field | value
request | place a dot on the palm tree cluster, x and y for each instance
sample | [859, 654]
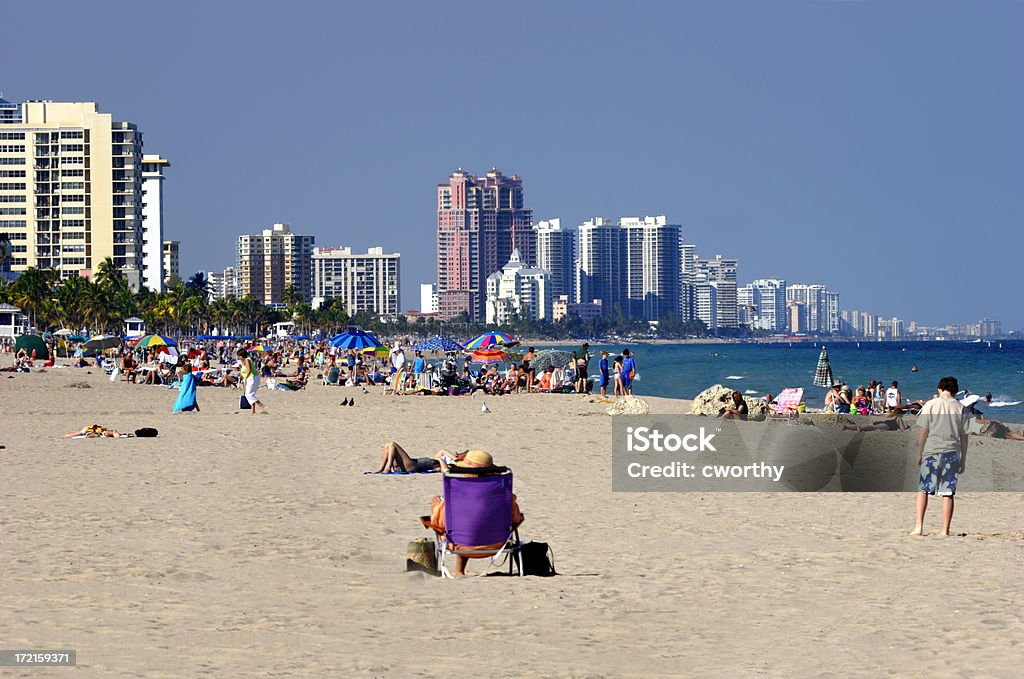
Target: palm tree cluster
[100, 305]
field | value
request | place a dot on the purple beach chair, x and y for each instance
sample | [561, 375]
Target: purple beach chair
[478, 511]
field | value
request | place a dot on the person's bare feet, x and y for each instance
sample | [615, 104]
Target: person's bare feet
[919, 531]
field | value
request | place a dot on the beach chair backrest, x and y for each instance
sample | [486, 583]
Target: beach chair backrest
[478, 509]
[789, 400]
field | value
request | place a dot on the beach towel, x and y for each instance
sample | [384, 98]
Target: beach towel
[186, 394]
[432, 471]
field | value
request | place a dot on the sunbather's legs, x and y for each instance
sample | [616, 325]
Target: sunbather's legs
[394, 458]
[459, 569]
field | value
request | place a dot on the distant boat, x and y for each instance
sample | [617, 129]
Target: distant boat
[977, 341]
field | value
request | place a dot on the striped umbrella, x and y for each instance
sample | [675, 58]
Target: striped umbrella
[380, 351]
[259, 348]
[488, 356]
[823, 373]
[438, 343]
[155, 341]
[355, 339]
[489, 339]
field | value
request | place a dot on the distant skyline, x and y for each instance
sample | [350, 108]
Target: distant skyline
[873, 147]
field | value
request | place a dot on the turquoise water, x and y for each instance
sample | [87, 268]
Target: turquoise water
[683, 371]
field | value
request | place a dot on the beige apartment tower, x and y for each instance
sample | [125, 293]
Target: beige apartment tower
[274, 260]
[70, 188]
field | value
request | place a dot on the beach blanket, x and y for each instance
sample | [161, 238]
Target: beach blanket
[432, 471]
[186, 394]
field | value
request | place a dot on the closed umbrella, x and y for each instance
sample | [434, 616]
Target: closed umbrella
[823, 373]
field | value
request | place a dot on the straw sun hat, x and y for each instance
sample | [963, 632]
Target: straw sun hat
[477, 458]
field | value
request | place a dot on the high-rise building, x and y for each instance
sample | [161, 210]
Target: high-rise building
[153, 221]
[600, 274]
[518, 291]
[556, 254]
[223, 284]
[705, 301]
[70, 188]
[813, 298]
[428, 298]
[687, 268]
[271, 261]
[363, 282]
[770, 302]
[480, 221]
[832, 320]
[652, 266]
[171, 254]
[721, 272]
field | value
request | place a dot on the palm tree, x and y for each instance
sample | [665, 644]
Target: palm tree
[108, 275]
[31, 292]
[198, 284]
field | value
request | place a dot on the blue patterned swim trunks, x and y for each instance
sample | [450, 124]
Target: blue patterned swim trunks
[939, 474]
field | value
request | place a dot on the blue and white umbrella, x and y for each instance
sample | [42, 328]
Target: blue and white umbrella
[438, 343]
[356, 339]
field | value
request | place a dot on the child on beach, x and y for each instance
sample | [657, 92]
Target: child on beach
[941, 451]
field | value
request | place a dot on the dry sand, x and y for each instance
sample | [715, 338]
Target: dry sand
[235, 545]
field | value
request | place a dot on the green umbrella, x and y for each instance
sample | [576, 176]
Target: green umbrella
[30, 342]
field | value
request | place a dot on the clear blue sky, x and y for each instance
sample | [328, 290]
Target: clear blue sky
[871, 146]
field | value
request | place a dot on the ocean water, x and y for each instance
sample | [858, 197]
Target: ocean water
[683, 371]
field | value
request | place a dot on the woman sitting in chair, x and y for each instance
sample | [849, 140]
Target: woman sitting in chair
[474, 459]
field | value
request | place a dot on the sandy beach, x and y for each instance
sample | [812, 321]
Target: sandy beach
[235, 545]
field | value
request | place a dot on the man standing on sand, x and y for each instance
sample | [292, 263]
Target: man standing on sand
[941, 451]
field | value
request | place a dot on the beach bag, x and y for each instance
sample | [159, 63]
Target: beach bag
[145, 432]
[538, 559]
[421, 555]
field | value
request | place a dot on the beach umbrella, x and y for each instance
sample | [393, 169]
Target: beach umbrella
[103, 342]
[551, 357]
[355, 339]
[259, 348]
[438, 343]
[64, 332]
[155, 341]
[381, 351]
[490, 339]
[30, 343]
[823, 373]
[488, 356]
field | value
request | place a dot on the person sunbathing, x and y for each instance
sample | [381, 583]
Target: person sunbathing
[94, 431]
[474, 459]
[394, 459]
[892, 423]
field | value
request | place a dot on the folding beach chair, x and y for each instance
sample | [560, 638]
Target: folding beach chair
[787, 403]
[478, 511]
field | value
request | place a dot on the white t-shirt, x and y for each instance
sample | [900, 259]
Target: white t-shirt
[892, 396]
[398, 360]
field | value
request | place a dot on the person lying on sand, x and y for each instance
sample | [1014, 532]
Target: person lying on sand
[394, 459]
[94, 431]
[892, 423]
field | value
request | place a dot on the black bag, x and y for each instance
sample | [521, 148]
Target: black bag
[145, 432]
[538, 559]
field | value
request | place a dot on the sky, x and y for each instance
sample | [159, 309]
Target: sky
[876, 147]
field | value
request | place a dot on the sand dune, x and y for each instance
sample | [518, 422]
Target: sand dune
[239, 545]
